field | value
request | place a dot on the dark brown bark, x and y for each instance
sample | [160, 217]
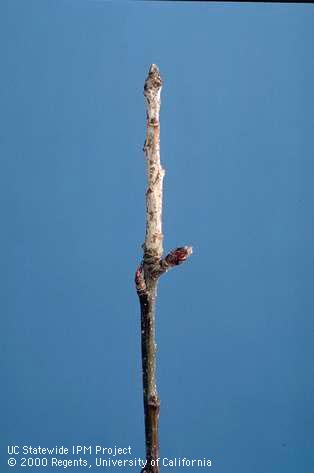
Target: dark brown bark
[150, 395]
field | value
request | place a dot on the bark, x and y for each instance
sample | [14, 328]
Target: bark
[153, 266]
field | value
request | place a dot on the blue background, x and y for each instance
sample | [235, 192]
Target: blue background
[235, 323]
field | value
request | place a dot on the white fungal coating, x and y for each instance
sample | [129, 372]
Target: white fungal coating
[155, 172]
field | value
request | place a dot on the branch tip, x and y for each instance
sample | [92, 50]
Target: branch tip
[153, 69]
[153, 80]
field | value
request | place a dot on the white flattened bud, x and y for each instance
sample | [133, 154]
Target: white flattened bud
[152, 90]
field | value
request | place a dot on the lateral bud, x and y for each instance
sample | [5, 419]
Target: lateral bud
[179, 255]
[140, 281]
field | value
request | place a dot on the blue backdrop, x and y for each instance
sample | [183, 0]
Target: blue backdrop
[235, 323]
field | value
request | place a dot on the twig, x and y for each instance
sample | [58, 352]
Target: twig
[153, 266]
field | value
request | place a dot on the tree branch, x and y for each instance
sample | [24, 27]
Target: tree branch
[153, 266]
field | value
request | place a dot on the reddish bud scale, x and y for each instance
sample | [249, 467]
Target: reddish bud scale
[138, 275]
[139, 280]
[179, 255]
